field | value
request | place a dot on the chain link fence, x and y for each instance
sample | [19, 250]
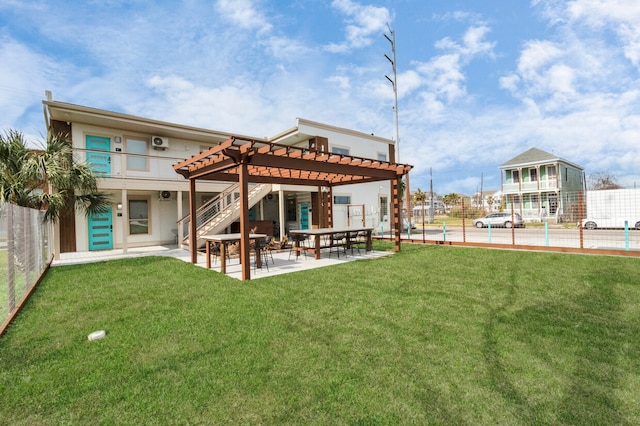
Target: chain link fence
[23, 255]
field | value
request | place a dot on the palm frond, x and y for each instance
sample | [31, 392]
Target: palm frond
[25, 175]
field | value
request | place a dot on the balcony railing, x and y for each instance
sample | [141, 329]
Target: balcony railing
[529, 186]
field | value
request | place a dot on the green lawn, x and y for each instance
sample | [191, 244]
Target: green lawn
[430, 335]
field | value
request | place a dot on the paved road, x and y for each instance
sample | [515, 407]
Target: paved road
[554, 237]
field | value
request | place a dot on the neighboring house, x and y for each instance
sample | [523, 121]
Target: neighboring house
[489, 201]
[540, 185]
[425, 209]
[136, 155]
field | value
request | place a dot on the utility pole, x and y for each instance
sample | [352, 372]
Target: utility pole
[432, 211]
[481, 190]
[394, 83]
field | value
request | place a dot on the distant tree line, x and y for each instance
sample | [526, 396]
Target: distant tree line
[602, 180]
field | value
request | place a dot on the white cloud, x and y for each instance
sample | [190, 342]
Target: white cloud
[287, 48]
[24, 76]
[244, 14]
[229, 108]
[630, 33]
[364, 22]
[443, 75]
[342, 82]
[537, 54]
[474, 43]
[597, 13]
[620, 16]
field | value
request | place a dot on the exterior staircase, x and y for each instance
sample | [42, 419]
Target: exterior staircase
[220, 212]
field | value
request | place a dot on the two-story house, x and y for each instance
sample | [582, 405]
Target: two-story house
[151, 205]
[540, 185]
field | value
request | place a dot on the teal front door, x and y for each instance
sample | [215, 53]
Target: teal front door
[101, 231]
[304, 215]
[98, 154]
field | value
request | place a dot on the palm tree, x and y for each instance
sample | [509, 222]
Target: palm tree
[419, 197]
[491, 201]
[451, 200]
[48, 179]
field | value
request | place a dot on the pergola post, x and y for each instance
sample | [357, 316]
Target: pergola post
[330, 207]
[193, 226]
[397, 218]
[243, 179]
[407, 193]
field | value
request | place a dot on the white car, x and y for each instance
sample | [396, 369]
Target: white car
[499, 219]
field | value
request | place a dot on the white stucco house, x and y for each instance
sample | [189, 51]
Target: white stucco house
[150, 201]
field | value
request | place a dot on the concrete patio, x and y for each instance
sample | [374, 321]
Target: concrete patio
[282, 262]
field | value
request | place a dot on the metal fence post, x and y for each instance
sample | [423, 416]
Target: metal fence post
[546, 233]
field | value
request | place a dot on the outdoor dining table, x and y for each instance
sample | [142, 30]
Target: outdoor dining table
[328, 232]
[224, 240]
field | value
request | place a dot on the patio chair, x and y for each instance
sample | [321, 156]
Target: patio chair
[299, 243]
[214, 251]
[353, 241]
[260, 249]
[268, 249]
[360, 240]
[338, 242]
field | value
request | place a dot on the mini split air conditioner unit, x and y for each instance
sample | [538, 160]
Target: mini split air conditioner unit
[158, 142]
[165, 195]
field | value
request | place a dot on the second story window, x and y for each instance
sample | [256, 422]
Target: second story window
[533, 175]
[137, 154]
[382, 157]
[342, 199]
[516, 176]
[340, 150]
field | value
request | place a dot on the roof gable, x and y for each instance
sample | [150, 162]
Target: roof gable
[534, 156]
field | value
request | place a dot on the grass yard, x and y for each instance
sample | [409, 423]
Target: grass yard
[430, 335]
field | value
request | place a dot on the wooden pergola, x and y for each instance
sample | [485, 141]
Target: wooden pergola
[245, 160]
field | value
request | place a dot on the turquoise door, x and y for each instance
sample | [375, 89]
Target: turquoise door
[304, 215]
[101, 231]
[98, 154]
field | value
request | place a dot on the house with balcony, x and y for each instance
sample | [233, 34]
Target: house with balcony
[135, 157]
[541, 186]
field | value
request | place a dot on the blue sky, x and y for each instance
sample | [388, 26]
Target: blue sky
[479, 82]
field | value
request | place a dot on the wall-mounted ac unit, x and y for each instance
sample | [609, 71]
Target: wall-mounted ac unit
[158, 142]
[165, 195]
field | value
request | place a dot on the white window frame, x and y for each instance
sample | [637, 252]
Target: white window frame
[137, 157]
[335, 196]
[342, 150]
[130, 220]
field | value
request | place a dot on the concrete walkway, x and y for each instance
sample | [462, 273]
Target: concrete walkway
[282, 263]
